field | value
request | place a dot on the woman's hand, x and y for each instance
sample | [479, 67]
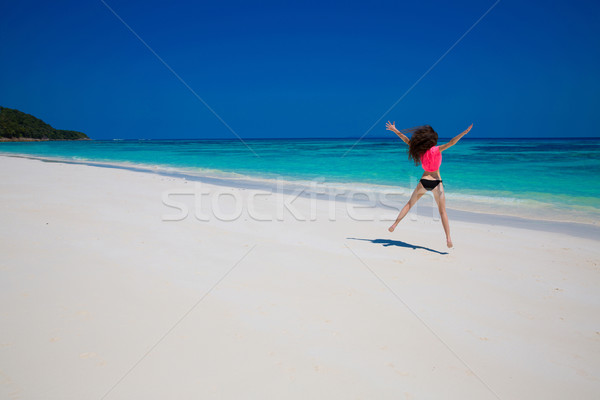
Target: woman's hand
[468, 129]
[391, 126]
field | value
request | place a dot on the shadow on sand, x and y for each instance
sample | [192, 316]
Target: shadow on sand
[388, 242]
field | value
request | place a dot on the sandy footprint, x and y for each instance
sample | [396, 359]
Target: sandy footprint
[91, 355]
[84, 356]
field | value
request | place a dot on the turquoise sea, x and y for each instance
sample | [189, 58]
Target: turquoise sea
[554, 179]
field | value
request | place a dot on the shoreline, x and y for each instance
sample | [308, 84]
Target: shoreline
[573, 228]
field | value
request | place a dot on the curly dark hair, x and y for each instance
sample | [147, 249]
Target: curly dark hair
[422, 139]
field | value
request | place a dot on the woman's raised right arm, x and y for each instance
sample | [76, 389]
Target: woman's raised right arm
[455, 139]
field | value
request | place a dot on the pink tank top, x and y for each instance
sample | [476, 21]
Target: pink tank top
[432, 159]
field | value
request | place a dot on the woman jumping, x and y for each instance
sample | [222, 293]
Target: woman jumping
[422, 147]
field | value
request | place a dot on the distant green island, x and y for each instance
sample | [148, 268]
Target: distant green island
[17, 126]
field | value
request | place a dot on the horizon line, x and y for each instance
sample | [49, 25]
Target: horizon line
[353, 137]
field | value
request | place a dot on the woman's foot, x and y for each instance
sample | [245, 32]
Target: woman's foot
[391, 228]
[449, 243]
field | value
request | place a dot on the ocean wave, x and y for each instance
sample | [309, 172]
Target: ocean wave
[547, 206]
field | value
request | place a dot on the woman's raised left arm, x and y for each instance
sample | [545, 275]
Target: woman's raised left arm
[391, 126]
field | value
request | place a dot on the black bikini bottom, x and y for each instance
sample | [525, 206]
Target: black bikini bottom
[430, 184]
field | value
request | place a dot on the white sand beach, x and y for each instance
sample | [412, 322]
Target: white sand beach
[102, 298]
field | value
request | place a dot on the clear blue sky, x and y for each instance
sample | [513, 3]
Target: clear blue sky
[303, 69]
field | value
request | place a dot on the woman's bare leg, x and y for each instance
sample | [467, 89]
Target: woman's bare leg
[418, 192]
[440, 199]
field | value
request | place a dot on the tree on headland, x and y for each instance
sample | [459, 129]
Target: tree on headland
[17, 125]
